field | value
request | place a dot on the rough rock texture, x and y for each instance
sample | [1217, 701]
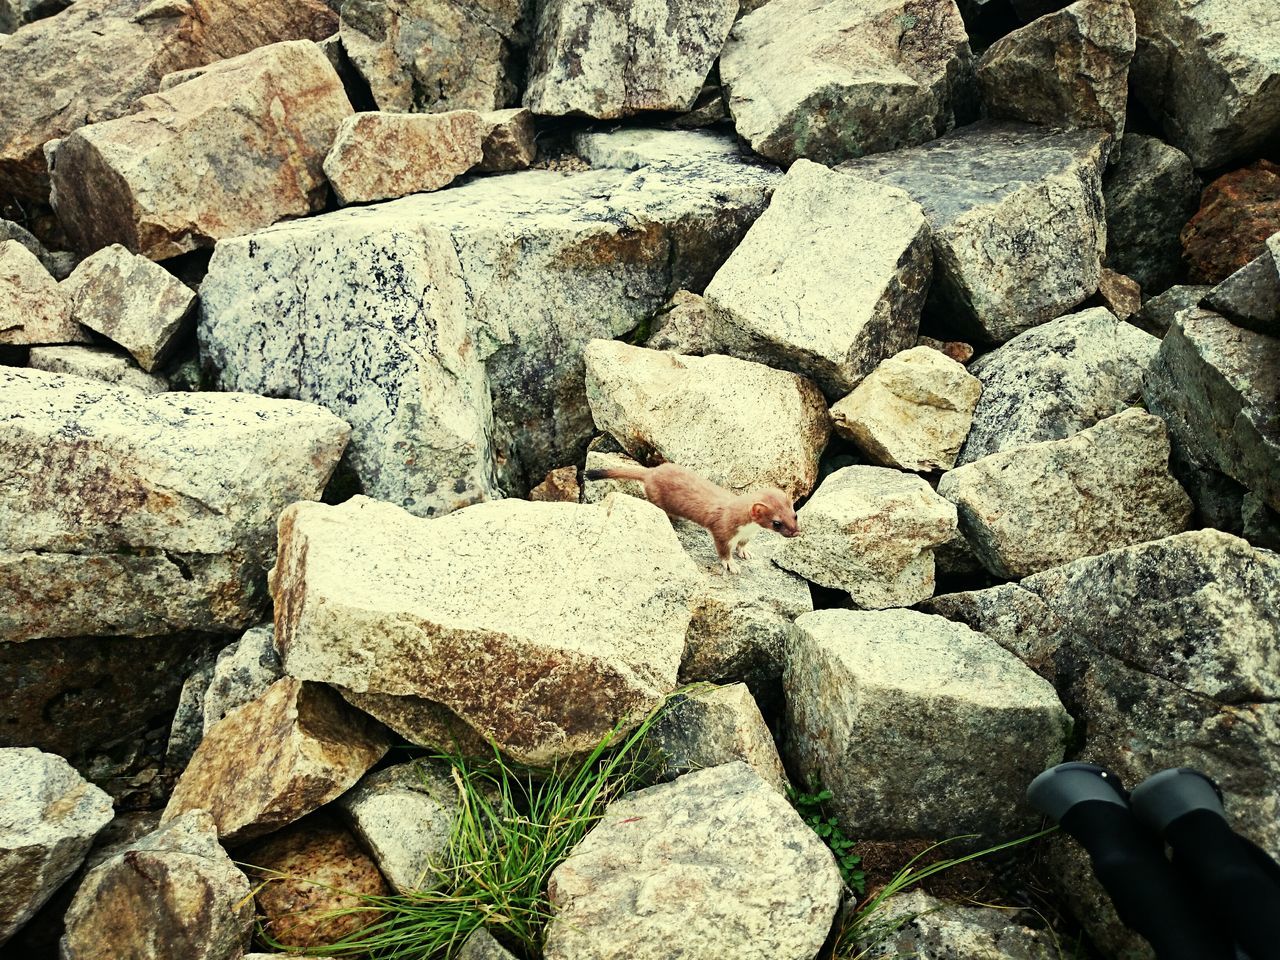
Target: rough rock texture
[1215, 384]
[187, 728]
[716, 864]
[912, 412]
[1238, 212]
[560, 486]
[870, 531]
[379, 156]
[481, 946]
[1151, 191]
[92, 63]
[132, 302]
[1037, 506]
[832, 80]
[804, 292]
[1067, 69]
[33, 308]
[617, 59]
[1016, 212]
[404, 816]
[434, 55]
[1250, 297]
[142, 515]
[49, 816]
[290, 751]
[934, 930]
[574, 642]
[97, 363]
[448, 328]
[740, 424]
[919, 726]
[1119, 294]
[1055, 380]
[235, 149]
[243, 671]
[173, 893]
[509, 140]
[686, 324]
[1209, 70]
[52, 261]
[1158, 313]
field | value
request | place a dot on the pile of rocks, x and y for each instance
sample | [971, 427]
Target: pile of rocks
[317, 320]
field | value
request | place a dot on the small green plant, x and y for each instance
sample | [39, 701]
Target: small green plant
[813, 809]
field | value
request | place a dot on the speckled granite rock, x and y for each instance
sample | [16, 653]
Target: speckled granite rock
[509, 141]
[932, 929]
[1250, 297]
[481, 946]
[97, 363]
[685, 324]
[716, 864]
[1158, 313]
[33, 308]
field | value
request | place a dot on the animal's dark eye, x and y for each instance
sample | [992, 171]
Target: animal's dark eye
[777, 524]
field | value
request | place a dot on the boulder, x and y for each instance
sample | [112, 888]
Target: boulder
[740, 424]
[52, 261]
[805, 293]
[1065, 69]
[289, 752]
[1054, 380]
[380, 156]
[920, 727]
[1151, 190]
[187, 728]
[510, 140]
[716, 864]
[1250, 297]
[1016, 212]
[33, 308]
[686, 324]
[173, 893]
[131, 301]
[619, 59]
[923, 926]
[242, 672]
[1215, 384]
[1238, 212]
[92, 63]
[449, 328]
[1158, 313]
[870, 531]
[574, 644]
[428, 56]
[1210, 73]
[15, 13]
[832, 80]
[235, 149]
[51, 816]
[1119, 294]
[1038, 506]
[912, 412]
[97, 363]
[481, 946]
[145, 515]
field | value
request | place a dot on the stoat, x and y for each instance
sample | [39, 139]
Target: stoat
[731, 520]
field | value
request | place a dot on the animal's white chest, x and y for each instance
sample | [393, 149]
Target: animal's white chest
[744, 534]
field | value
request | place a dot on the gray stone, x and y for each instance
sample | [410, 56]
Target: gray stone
[1250, 297]
[1016, 212]
[1158, 313]
[15, 231]
[686, 324]
[33, 308]
[481, 946]
[242, 672]
[187, 728]
[931, 929]
[97, 363]
[1259, 524]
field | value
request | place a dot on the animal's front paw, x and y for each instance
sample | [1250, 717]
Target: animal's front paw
[744, 552]
[728, 565]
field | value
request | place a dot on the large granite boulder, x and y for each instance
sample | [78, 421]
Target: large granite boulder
[33, 308]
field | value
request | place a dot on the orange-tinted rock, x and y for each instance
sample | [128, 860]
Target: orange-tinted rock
[33, 309]
[509, 143]
[1120, 294]
[561, 485]
[1238, 211]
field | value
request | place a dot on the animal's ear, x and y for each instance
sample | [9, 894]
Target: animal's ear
[759, 512]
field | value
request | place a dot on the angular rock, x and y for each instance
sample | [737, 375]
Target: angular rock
[616, 60]
[15, 13]
[235, 149]
[1119, 294]
[1215, 385]
[1250, 297]
[187, 728]
[92, 63]
[912, 412]
[1053, 381]
[661, 874]
[1259, 523]
[290, 751]
[241, 673]
[742, 425]
[687, 324]
[1210, 72]
[13, 231]
[404, 816]
[143, 515]
[560, 486]
[509, 140]
[33, 308]
[174, 892]
[1016, 212]
[1151, 191]
[132, 302]
[50, 817]
[1158, 313]
[919, 726]
[448, 328]
[97, 363]
[1238, 212]
[933, 928]
[481, 946]
[428, 56]
[870, 531]
[804, 292]
[544, 667]
[380, 156]
[832, 80]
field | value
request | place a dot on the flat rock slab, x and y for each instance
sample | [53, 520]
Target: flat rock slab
[739, 424]
[449, 328]
[1016, 212]
[379, 603]
[714, 865]
[142, 515]
[919, 726]
[112, 367]
[289, 752]
[231, 151]
[618, 59]
[871, 531]
[33, 308]
[834, 80]
[805, 293]
[50, 817]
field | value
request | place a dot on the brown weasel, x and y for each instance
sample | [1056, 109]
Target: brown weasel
[731, 520]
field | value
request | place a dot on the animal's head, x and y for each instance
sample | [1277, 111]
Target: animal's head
[773, 511]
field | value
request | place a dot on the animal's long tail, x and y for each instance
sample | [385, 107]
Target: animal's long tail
[618, 473]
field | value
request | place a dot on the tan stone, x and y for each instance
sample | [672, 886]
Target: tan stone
[112, 367]
[1121, 295]
[561, 485]
[508, 141]
[33, 309]
[715, 725]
